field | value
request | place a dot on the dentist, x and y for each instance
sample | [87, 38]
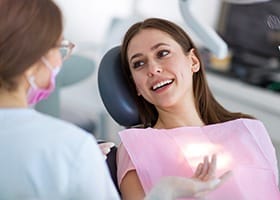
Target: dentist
[41, 157]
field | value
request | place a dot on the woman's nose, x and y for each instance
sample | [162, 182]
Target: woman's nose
[154, 68]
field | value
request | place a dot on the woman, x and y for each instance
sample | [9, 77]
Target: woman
[41, 157]
[182, 121]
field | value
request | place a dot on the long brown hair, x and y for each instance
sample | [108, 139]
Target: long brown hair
[28, 30]
[210, 110]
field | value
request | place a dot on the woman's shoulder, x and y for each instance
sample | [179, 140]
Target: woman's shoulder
[250, 123]
[239, 121]
[244, 123]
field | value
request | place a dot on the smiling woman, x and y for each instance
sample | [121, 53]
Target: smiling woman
[178, 52]
[181, 122]
[158, 66]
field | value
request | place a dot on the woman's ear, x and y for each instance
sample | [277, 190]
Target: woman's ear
[31, 70]
[195, 61]
[195, 68]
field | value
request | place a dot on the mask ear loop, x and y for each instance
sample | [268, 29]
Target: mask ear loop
[54, 70]
[31, 81]
[46, 62]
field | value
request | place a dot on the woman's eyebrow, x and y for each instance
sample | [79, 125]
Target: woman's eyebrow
[135, 56]
[152, 48]
[158, 45]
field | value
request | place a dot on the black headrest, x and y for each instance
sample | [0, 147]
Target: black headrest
[114, 90]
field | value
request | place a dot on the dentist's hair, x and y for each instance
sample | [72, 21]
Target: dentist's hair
[209, 109]
[28, 30]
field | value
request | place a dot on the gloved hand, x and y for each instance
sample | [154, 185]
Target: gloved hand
[203, 181]
[105, 147]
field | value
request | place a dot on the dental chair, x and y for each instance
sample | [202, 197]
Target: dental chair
[114, 90]
[116, 98]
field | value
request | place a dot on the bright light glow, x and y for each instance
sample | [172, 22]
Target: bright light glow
[196, 152]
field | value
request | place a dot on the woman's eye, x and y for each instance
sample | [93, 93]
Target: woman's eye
[163, 53]
[138, 64]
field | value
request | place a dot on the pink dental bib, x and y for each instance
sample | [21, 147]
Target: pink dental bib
[242, 146]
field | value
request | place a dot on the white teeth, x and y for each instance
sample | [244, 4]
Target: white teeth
[160, 84]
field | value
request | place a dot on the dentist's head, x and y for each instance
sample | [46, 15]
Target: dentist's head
[30, 44]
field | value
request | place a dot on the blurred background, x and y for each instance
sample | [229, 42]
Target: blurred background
[241, 55]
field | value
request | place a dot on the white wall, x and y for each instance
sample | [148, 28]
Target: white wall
[87, 21]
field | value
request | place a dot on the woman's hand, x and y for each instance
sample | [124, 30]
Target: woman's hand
[203, 181]
[105, 147]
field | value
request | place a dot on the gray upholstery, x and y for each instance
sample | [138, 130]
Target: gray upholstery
[114, 90]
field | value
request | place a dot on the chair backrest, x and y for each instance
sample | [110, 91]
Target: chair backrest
[114, 90]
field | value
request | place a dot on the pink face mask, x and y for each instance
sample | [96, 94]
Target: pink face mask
[36, 94]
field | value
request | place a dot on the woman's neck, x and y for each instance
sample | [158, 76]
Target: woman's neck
[186, 115]
[15, 99]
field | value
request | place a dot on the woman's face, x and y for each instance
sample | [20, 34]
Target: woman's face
[162, 72]
[41, 72]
